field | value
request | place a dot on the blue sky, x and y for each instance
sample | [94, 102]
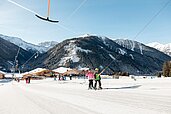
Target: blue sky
[111, 18]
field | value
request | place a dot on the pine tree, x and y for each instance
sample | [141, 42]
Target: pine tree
[167, 69]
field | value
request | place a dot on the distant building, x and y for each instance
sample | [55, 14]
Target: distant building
[2, 75]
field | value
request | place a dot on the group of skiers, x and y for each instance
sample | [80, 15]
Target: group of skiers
[94, 75]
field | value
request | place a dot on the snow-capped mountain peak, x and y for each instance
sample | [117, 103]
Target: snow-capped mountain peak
[85, 35]
[166, 48]
[25, 45]
[48, 44]
[155, 44]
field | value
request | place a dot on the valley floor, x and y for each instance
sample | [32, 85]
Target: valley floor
[119, 96]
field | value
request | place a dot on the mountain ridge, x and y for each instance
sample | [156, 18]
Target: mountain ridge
[11, 55]
[98, 51]
[29, 46]
[95, 51]
[166, 48]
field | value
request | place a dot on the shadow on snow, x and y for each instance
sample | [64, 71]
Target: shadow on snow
[5, 80]
[127, 87]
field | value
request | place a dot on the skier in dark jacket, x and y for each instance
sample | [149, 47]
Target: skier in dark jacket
[97, 79]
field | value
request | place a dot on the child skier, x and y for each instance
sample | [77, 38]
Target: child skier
[90, 76]
[97, 79]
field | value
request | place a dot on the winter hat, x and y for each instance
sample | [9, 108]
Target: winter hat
[96, 69]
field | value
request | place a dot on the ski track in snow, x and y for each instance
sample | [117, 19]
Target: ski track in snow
[63, 97]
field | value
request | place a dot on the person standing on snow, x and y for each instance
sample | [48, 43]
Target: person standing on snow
[97, 79]
[70, 76]
[90, 76]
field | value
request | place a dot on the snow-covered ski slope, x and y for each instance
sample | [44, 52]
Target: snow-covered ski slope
[119, 96]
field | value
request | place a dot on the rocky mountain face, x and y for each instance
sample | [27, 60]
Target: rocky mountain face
[98, 52]
[11, 55]
[161, 47]
[142, 49]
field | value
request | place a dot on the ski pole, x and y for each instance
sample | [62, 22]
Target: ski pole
[106, 67]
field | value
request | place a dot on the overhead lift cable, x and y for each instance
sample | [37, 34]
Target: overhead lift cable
[150, 21]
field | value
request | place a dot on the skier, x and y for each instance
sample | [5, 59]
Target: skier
[26, 80]
[59, 78]
[97, 79]
[55, 77]
[70, 76]
[90, 76]
[29, 78]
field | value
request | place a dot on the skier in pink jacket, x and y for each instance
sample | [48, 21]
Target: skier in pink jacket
[90, 76]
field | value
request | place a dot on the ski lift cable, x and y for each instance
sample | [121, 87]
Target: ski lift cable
[150, 21]
[15, 3]
[15, 60]
[82, 3]
[30, 58]
[36, 14]
[31, 11]
[106, 66]
[17, 53]
[66, 28]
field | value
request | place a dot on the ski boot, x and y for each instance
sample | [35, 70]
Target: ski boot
[89, 88]
[100, 88]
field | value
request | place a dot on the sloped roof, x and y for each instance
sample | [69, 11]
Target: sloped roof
[2, 72]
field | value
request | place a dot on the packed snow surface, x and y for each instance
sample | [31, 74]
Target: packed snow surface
[119, 96]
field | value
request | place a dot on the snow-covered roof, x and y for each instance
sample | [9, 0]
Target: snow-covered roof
[2, 72]
[61, 69]
[37, 70]
[34, 71]
[10, 75]
[83, 69]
